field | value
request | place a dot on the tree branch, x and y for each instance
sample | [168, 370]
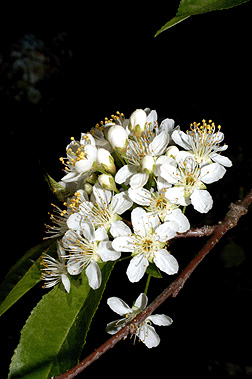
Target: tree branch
[236, 211]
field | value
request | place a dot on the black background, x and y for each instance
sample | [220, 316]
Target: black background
[197, 69]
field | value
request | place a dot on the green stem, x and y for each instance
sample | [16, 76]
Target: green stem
[147, 284]
[184, 209]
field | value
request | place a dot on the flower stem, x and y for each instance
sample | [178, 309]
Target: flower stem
[184, 209]
[147, 284]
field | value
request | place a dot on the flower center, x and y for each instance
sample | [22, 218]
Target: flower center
[204, 139]
[147, 245]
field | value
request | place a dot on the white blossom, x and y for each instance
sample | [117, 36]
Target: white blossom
[54, 271]
[189, 180]
[147, 244]
[103, 211]
[142, 154]
[106, 161]
[145, 331]
[87, 248]
[203, 142]
[157, 203]
[81, 156]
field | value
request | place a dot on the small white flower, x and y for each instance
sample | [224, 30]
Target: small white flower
[142, 154]
[147, 244]
[189, 180]
[60, 217]
[54, 271]
[203, 142]
[80, 158]
[145, 331]
[103, 211]
[107, 181]
[88, 247]
[157, 203]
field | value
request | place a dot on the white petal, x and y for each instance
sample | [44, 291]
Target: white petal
[119, 228]
[166, 231]
[182, 139]
[74, 267]
[140, 196]
[88, 231]
[141, 302]
[66, 282]
[139, 180]
[148, 335]
[182, 221]
[151, 221]
[160, 320]
[166, 262]
[137, 268]
[71, 177]
[101, 234]
[94, 276]
[118, 306]
[224, 161]
[124, 173]
[124, 243]
[83, 165]
[167, 125]
[201, 200]
[211, 173]
[169, 173]
[158, 145]
[74, 221]
[137, 221]
[106, 252]
[120, 203]
[176, 195]
[102, 196]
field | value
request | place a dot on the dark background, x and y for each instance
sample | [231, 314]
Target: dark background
[54, 85]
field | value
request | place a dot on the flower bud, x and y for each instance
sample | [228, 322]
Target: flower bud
[137, 122]
[148, 164]
[106, 161]
[118, 138]
[172, 151]
[107, 181]
[88, 188]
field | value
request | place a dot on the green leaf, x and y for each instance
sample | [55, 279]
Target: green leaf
[189, 8]
[59, 191]
[24, 275]
[153, 271]
[55, 332]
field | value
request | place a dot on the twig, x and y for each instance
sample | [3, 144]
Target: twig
[236, 211]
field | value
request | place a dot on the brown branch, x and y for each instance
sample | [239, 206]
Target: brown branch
[205, 230]
[236, 211]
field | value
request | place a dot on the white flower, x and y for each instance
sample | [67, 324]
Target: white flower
[80, 158]
[103, 211]
[88, 247]
[142, 153]
[60, 217]
[189, 181]
[203, 142]
[54, 271]
[147, 244]
[145, 331]
[157, 203]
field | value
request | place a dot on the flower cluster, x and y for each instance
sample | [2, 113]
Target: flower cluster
[129, 182]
